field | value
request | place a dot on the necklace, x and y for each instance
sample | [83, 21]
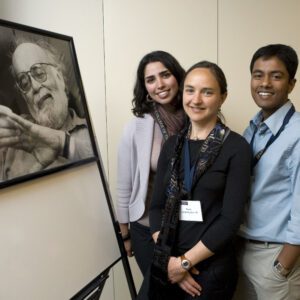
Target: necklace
[188, 135]
[195, 138]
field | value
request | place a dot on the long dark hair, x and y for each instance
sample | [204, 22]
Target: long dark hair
[139, 103]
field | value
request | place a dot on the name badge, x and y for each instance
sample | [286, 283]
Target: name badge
[190, 211]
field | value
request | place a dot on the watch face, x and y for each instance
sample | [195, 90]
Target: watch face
[185, 264]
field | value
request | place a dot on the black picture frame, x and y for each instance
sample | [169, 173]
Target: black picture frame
[77, 142]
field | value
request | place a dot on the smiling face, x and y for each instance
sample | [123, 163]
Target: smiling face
[160, 83]
[47, 101]
[202, 97]
[270, 84]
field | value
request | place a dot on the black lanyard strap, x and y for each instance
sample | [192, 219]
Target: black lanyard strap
[188, 170]
[272, 139]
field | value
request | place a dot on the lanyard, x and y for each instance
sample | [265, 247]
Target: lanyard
[188, 171]
[259, 154]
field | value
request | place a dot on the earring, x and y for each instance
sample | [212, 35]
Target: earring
[149, 99]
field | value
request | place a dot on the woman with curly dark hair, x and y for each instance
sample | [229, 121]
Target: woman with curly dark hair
[158, 112]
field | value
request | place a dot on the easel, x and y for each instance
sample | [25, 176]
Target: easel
[93, 290]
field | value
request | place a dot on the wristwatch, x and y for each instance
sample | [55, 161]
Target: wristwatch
[280, 268]
[185, 263]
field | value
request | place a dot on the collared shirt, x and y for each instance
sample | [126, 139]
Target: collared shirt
[273, 211]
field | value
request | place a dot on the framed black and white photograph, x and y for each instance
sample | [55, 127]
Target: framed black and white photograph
[44, 120]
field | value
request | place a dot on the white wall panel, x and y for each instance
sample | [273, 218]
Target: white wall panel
[244, 26]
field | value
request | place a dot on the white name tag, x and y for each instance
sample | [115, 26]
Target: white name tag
[190, 211]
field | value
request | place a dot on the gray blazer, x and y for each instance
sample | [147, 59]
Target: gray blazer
[134, 156]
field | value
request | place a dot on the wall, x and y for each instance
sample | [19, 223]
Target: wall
[243, 27]
[224, 31]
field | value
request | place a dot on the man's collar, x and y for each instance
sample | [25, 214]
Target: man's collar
[73, 120]
[273, 122]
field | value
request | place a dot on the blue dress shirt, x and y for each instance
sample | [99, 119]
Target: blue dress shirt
[273, 210]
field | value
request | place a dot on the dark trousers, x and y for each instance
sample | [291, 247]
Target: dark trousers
[142, 245]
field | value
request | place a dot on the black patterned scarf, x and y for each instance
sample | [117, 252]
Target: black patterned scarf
[170, 123]
[208, 152]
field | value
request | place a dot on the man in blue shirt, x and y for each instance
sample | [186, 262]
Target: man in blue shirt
[270, 244]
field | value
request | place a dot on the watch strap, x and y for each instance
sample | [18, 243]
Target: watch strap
[280, 268]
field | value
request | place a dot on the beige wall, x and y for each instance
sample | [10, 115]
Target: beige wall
[223, 31]
[244, 26]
